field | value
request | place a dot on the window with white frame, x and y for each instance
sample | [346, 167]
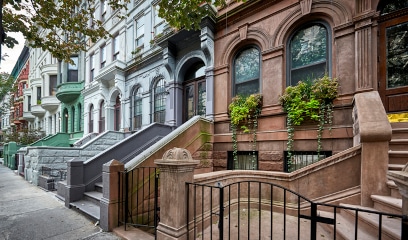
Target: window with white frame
[104, 6]
[159, 101]
[115, 48]
[157, 21]
[137, 108]
[72, 75]
[139, 32]
[103, 56]
[92, 67]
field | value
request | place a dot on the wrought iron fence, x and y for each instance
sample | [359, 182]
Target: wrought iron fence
[139, 191]
[300, 159]
[260, 210]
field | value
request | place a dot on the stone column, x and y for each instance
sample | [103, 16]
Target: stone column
[75, 181]
[176, 168]
[110, 199]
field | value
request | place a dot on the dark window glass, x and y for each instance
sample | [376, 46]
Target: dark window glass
[73, 70]
[247, 160]
[397, 55]
[394, 5]
[53, 85]
[137, 109]
[159, 102]
[247, 71]
[308, 54]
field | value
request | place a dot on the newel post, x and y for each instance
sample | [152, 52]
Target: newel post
[109, 214]
[176, 168]
[373, 131]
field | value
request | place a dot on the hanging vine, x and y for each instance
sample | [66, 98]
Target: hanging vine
[309, 100]
[244, 113]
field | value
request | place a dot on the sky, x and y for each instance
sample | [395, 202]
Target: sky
[7, 65]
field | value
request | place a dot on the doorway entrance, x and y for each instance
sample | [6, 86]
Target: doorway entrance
[194, 92]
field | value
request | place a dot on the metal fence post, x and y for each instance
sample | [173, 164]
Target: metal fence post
[404, 227]
[221, 217]
[313, 221]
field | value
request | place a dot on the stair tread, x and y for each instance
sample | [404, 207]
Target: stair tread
[395, 202]
[397, 152]
[391, 184]
[399, 140]
[390, 226]
[94, 194]
[99, 184]
[344, 227]
[87, 207]
[396, 166]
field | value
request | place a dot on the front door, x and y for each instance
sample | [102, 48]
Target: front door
[194, 99]
[393, 61]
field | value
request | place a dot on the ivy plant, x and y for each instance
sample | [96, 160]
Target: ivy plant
[244, 112]
[310, 100]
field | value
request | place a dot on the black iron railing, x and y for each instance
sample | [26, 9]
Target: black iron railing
[260, 210]
[139, 191]
[300, 159]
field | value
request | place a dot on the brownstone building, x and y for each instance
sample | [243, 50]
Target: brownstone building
[265, 46]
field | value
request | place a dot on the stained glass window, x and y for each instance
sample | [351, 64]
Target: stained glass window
[397, 55]
[247, 71]
[308, 54]
[394, 5]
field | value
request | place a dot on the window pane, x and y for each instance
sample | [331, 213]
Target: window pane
[189, 101]
[308, 46]
[397, 55]
[394, 5]
[247, 88]
[202, 99]
[308, 72]
[247, 65]
[159, 102]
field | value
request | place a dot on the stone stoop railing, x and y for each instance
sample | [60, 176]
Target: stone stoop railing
[82, 176]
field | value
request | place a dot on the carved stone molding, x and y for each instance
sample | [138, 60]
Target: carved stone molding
[306, 6]
[243, 30]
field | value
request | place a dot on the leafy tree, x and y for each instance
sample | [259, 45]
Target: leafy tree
[187, 14]
[57, 26]
[24, 136]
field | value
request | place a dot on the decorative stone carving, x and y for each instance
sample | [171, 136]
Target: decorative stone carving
[243, 32]
[177, 154]
[305, 6]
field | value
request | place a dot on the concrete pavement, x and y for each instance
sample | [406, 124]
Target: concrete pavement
[28, 212]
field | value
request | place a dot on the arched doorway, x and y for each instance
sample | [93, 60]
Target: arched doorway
[393, 55]
[194, 91]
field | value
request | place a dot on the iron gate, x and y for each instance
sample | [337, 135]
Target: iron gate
[260, 210]
[139, 193]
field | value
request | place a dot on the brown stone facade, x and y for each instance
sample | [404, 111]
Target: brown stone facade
[269, 25]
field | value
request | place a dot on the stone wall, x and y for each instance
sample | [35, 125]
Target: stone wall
[56, 157]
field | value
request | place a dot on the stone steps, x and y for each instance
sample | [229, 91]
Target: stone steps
[387, 204]
[89, 205]
[398, 157]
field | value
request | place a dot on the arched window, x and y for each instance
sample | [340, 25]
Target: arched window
[247, 71]
[159, 101]
[195, 92]
[79, 117]
[309, 53]
[117, 114]
[91, 118]
[102, 117]
[73, 119]
[137, 109]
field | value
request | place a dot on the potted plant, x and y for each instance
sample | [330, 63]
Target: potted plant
[309, 101]
[244, 112]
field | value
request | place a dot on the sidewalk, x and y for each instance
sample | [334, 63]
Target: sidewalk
[28, 212]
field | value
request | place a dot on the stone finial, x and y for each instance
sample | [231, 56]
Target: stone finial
[177, 154]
